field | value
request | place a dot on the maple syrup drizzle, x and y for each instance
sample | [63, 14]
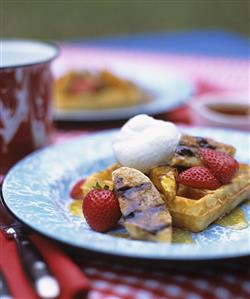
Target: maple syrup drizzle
[234, 220]
[75, 207]
[181, 236]
[232, 110]
[119, 235]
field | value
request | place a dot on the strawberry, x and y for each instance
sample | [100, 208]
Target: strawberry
[81, 84]
[76, 192]
[101, 209]
[198, 177]
[220, 164]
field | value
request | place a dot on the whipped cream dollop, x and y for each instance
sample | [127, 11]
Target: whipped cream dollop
[144, 142]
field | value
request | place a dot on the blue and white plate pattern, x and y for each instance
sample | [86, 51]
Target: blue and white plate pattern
[36, 190]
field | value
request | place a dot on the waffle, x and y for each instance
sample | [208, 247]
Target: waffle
[111, 92]
[101, 179]
[194, 209]
[186, 152]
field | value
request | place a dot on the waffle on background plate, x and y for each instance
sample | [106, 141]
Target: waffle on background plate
[191, 209]
[96, 90]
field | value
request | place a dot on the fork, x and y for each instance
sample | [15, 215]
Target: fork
[36, 269]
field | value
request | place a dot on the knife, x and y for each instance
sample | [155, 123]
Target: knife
[4, 289]
[36, 269]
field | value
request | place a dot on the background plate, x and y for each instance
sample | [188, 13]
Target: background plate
[169, 87]
[36, 191]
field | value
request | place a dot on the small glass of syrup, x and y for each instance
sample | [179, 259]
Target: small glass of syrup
[222, 109]
[230, 109]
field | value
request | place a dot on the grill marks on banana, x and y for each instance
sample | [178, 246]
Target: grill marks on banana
[134, 214]
[144, 217]
[144, 211]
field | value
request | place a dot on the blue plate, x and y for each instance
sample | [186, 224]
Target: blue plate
[36, 190]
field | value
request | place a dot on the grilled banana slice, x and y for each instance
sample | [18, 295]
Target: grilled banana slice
[144, 211]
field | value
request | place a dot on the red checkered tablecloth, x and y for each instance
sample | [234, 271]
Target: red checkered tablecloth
[121, 282]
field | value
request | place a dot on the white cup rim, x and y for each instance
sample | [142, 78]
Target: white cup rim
[48, 52]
